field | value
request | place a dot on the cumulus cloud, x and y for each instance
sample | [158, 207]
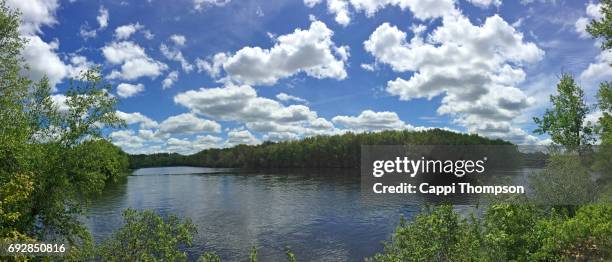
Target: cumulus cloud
[189, 146]
[137, 118]
[135, 63]
[102, 17]
[201, 4]
[212, 67]
[242, 104]
[178, 39]
[43, 60]
[485, 3]
[593, 11]
[35, 14]
[175, 54]
[421, 9]
[241, 137]
[127, 90]
[369, 120]
[475, 68]
[310, 51]
[188, 124]
[125, 31]
[288, 98]
[600, 69]
[127, 139]
[170, 79]
[42, 56]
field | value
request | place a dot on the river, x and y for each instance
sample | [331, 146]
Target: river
[320, 216]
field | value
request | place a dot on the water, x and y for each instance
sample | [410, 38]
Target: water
[321, 216]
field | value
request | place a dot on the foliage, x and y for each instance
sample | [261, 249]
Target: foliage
[338, 151]
[51, 158]
[253, 254]
[290, 255]
[604, 97]
[504, 233]
[147, 236]
[435, 235]
[209, 257]
[565, 122]
[564, 181]
[603, 28]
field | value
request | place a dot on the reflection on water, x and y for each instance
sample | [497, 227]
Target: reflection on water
[320, 215]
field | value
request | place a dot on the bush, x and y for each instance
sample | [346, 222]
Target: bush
[146, 236]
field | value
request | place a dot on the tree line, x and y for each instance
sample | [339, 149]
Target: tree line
[337, 151]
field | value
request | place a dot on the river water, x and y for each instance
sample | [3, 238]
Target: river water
[320, 216]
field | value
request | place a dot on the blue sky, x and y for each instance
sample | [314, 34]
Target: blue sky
[196, 74]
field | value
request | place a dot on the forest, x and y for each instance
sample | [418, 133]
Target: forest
[338, 151]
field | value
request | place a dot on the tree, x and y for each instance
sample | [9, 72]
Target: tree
[603, 28]
[146, 236]
[51, 158]
[565, 121]
[604, 97]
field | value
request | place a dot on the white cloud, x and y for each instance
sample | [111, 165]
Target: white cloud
[188, 124]
[593, 11]
[175, 54]
[600, 70]
[127, 90]
[127, 140]
[86, 33]
[421, 9]
[241, 137]
[135, 63]
[310, 51]
[102, 17]
[125, 31]
[43, 60]
[485, 3]
[59, 101]
[179, 40]
[214, 67]
[368, 67]
[581, 26]
[369, 120]
[41, 56]
[287, 98]
[35, 14]
[170, 79]
[475, 68]
[241, 104]
[137, 118]
[201, 4]
[148, 35]
[186, 146]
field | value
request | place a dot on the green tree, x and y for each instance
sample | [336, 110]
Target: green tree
[565, 122]
[603, 28]
[434, 235]
[146, 236]
[51, 158]
[604, 97]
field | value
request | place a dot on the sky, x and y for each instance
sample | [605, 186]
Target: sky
[196, 74]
